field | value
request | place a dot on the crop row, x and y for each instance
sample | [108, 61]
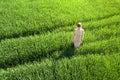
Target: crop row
[36, 47]
[23, 18]
[104, 31]
[88, 25]
[95, 24]
[92, 67]
[21, 50]
[18, 51]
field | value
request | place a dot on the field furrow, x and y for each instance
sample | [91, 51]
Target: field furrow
[36, 40]
[19, 51]
[93, 24]
[22, 22]
[75, 68]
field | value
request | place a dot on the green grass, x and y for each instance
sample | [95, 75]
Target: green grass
[35, 40]
[29, 49]
[35, 17]
[92, 67]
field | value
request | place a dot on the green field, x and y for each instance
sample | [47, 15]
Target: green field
[35, 40]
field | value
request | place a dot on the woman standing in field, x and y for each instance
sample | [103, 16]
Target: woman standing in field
[78, 35]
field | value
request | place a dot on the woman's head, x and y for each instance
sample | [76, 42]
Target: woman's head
[79, 24]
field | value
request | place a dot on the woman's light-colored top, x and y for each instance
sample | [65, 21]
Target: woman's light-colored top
[78, 35]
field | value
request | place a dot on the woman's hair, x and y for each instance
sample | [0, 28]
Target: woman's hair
[79, 24]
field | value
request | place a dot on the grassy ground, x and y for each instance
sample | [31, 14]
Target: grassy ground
[35, 40]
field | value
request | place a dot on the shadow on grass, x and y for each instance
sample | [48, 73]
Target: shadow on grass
[69, 52]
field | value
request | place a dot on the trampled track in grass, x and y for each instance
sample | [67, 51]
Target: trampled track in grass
[75, 68]
[35, 40]
[34, 49]
[18, 25]
[54, 27]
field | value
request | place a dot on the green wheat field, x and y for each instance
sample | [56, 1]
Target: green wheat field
[36, 40]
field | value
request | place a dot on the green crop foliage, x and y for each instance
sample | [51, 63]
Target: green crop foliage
[36, 40]
[90, 67]
[23, 18]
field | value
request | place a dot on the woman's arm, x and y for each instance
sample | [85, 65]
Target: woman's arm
[82, 36]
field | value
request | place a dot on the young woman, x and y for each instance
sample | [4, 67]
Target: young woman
[78, 35]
